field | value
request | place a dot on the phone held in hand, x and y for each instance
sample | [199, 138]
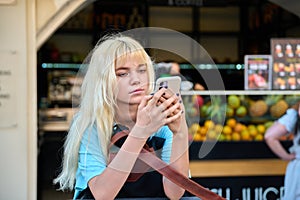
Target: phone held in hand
[172, 83]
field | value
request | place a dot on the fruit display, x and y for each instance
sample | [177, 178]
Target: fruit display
[231, 131]
[279, 108]
[235, 117]
[258, 108]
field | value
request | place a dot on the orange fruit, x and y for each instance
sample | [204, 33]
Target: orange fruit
[228, 137]
[261, 128]
[245, 135]
[251, 126]
[218, 128]
[194, 128]
[231, 122]
[236, 136]
[253, 132]
[203, 130]
[283, 137]
[197, 137]
[238, 127]
[209, 124]
[290, 137]
[227, 130]
[259, 137]
[244, 127]
[212, 135]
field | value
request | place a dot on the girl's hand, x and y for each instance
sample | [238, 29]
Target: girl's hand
[156, 111]
[177, 108]
[290, 157]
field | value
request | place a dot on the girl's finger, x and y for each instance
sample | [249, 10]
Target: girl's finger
[173, 118]
[173, 110]
[157, 96]
[168, 93]
[170, 101]
[145, 101]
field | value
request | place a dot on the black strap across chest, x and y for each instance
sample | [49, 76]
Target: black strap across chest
[139, 188]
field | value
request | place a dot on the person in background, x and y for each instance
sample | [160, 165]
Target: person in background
[173, 69]
[288, 124]
[116, 94]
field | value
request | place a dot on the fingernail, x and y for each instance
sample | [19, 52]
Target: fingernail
[177, 94]
[152, 94]
[165, 86]
[182, 111]
[180, 101]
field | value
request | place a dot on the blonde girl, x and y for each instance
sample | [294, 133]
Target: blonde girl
[116, 90]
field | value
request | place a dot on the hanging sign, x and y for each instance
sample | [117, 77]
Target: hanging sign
[8, 104]
[286, 63]
[258, 73]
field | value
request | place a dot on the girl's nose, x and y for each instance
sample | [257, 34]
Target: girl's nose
[135, 79]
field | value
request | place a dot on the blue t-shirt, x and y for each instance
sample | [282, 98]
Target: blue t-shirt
[91, 161]
[289, 120]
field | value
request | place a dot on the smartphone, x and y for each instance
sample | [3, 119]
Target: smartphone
[172, 82]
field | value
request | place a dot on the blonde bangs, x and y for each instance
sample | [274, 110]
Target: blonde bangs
[138, 53]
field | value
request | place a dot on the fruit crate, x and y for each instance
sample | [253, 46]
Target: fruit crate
[235, 116]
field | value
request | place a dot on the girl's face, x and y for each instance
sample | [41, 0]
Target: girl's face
[132, 78]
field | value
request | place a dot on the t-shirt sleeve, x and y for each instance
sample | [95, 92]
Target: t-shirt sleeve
[91, 161]
[289, 119]
[167, 134]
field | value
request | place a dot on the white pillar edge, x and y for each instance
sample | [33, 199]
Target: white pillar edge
[31, 100]
[57, 20]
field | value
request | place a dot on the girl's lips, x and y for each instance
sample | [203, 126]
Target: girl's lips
[137, 91]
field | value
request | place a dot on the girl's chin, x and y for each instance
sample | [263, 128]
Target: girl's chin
[136, 100]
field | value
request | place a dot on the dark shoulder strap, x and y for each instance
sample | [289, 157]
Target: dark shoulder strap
[177, 178]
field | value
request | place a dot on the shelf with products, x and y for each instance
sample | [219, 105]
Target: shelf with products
[58, 84]
[237, 134]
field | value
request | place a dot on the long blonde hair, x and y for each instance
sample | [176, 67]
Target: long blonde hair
[98, 104]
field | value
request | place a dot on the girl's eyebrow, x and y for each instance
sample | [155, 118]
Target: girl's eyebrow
[125, 68]
[122, 68]
[141, 65]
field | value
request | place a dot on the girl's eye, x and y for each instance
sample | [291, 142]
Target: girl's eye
[122, 74]
[142, 70]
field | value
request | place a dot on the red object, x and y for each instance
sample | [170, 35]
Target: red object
[199, 101]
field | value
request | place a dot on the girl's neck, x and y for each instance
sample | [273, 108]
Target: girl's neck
[126, 115]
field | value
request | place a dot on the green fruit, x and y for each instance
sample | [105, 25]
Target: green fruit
[241, 111]
[229, 111]
[221, 137]
[204, 111]
[233, 101]
[268, 124]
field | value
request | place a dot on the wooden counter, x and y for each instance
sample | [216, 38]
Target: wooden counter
[249, 167]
